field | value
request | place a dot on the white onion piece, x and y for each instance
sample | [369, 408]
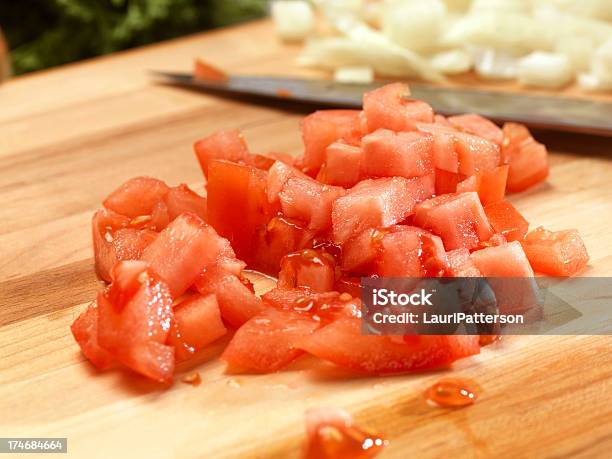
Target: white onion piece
[500, 6]
[578, 50]
[459, 6]
[333, 53]
[495, 65]
[557, 24]
[414, 24]
[592, 83]
[354, 75]
[548, 70]
[601, 64]
[294, 19]
[452, 62]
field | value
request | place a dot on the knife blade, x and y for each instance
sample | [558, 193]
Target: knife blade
[555, 113]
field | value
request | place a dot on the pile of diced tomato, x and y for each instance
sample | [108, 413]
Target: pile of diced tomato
[390, 190]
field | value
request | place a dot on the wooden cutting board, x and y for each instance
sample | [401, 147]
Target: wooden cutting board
[71, 135]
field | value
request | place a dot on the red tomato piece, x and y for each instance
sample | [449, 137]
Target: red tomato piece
[342, 165]
[391, 108]
[341, 342]
[324, 127]
[311, 268]
[403, 154]
[560, 253]
[85, 332]
[197, 323]
[237, 302]
[377, 203]
[506, 220]
[134, 318]
[460, 264]
[266, 343]
[186, 248]
[238, 206]
[278, 175]
[228, 145]
[446, 182]
[115, 239]
[442, 120]
[490, 185]
[478, 125]
[348, 284]
[182, 199]
[458, 219]
[528, 159]
[309, 201]
[136, 197]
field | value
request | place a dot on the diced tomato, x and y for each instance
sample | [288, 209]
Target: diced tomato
[324, 127]
[442, 120]
[159, 217]
[267, 342]
[377, 203]
[236, 301]
[134, 318]
[490, 184]
[332, 435]
[238, 206]
[360, 252]
[342, 343]
[228, 145]
[311, 268]
[85, 332]
[478, 125]
[197, 322]
[404, 154]
[458, 219]
[310, 202]
[186, 248]
[280, 236]
[390, 107]
[349, 284]
[506, 220]
[182, 199]
[342, 165]
[528, 159]
[278, 175]
[114, 239]
[460, 264]
[560, 253]
[411, 252]
[136, 197]
[446, 182]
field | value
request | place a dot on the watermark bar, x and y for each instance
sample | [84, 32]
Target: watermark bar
[485, 306]
[33, 445]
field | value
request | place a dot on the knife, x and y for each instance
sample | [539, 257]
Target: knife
[545, 112]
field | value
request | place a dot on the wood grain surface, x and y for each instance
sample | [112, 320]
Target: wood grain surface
[71, 135]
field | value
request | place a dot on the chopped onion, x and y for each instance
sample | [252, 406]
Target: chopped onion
[294, 19]
[452, 62]
[578, 50]
[492, 64]
[549, 70]
[354, 75]
[601, 64]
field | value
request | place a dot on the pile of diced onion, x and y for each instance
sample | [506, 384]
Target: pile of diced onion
[540, 43]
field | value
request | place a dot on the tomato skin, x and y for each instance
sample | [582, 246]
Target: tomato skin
[477, 125]
[527, 158]
[134, 319]
[227, 145]
[136, 197]
[390, 107]
[506, 220]
[266, 343]
[458, 219]
[85, 332]
[186, 248]
[404, 154]
[324, 127]
[196, 323]
[560, 253]
[237, 302]
[238, 206]
[342, 343]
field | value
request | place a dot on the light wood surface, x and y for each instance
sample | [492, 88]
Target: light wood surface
[71, 135]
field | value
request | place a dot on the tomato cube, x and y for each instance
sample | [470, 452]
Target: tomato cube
[478, 125]
[404, 154]
[342, 165]
[506, 220]
[308, 268]
[458, 219]
[490, 184]
[228, 145]
[85, 332]
[460, 264]
[197, 323]
[136, 197]
[390, 107]
[182, 199]
[560, 253]
[528, 159]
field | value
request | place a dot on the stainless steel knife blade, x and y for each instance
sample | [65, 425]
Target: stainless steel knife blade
[547, 112]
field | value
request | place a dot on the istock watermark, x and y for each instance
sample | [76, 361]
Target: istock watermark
[472, 306]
